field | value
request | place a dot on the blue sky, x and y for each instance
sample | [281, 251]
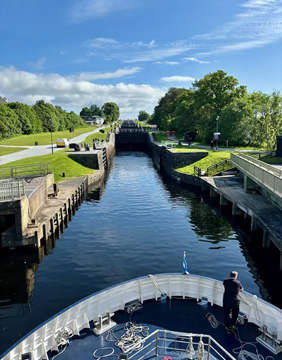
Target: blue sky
[75, 53]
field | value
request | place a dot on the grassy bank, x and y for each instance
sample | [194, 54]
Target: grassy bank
[60, 163]
[10, 150]
[212, 158]
[45, 138]
[97, 135]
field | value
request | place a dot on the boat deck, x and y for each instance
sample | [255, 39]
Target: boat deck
[176, 315]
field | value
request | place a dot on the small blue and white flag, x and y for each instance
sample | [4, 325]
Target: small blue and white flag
[185, 267]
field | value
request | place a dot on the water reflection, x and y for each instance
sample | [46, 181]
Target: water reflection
[134, 223]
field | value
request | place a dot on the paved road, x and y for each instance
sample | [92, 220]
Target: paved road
[39, 150]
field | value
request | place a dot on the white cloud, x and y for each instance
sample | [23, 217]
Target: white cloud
[39, 64]
[108, 75]
[73, 94]
[100, 43]
[177, 78]
[196, 60]
[84, 10]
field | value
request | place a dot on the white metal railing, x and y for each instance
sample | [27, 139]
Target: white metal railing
[11, 190]
[173, 343]
[260, 172]
[78, 316]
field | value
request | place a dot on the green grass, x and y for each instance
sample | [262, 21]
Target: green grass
[212, 158]
[97, 135]
[60, 163]
[160, 136]
[186, 149]
[10, 150]
[44, 138]
[271, 159]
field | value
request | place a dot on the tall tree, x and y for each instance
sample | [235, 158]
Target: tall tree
[184, 115]
[164, 112]
[111, 111]
[9, 122]
[85, 112]
[212, 94]
[143, 116]
[30, 123]
[96, 110]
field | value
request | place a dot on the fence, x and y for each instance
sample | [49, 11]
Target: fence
[23, 171]
[11, 190]
[260, 172]
[213, 169]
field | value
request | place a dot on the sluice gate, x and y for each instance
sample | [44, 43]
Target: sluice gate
[131, 136]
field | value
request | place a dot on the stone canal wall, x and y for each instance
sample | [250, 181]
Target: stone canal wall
[166, 160]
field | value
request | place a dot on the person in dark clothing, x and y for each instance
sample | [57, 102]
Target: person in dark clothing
[231, 302]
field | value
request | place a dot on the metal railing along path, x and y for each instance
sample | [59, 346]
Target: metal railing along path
[24, 171]
[260, 172]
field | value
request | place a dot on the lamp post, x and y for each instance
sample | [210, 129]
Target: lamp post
[216, 119]
[50, 119]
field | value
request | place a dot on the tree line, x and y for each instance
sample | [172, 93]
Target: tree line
[109, 111]
[218, 102]
[21, 119]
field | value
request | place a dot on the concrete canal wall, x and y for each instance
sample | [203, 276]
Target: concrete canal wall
[259, 214]
[46, 208]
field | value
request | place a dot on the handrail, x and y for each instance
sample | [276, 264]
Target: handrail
[12, 190]
[160, 342]
[259, 163]
[79, 315]
[262, 173]
[28, 170]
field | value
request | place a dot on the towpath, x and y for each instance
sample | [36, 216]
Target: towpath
[39, 150]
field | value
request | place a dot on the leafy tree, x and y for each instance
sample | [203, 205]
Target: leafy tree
[276, 114]
[48, 115]
[143, 116]
[111, 111]
[96, 110]
[235, 122]
[9, 122]
[184, 115]
[212, 94]
[164, 112]
[85, 112]
[27, 116]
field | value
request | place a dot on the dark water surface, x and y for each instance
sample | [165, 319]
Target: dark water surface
[141, 225]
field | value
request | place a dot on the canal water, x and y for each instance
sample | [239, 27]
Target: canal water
[137, 224]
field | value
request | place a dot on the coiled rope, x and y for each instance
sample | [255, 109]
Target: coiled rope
[62, 339]
[241, 353]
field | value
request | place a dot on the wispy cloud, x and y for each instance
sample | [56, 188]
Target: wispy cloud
[168, 62]
[257, 23]
[177, 78]
[83, 10]
[160, 53]
[196, 60]
[106, 75]
[38, 65]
